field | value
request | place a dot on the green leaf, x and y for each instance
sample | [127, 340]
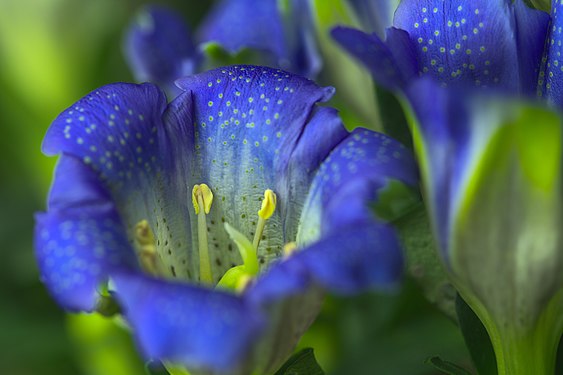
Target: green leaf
[301, 363]
[476, 339]
[395, 124]
[446, 367]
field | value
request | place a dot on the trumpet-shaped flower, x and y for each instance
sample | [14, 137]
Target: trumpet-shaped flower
[496, 44]
[160, 48]
[493, 180]
[282, 30]
[220, 217]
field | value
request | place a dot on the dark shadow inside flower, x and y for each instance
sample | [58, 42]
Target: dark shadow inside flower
[218, 182]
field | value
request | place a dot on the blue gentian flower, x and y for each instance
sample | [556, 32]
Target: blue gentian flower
[493, 182]
[159, 47]
[284, 31]
[495, 44]
[187, 208]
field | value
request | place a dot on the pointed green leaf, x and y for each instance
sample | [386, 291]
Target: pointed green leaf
[301, 363]
[447, 367]
[476, 339]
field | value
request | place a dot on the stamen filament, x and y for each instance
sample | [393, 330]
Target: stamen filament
[259, 231]
[266, 211]
[202, 197]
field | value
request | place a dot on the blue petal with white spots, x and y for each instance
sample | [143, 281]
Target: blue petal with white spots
[204, 329]
[343, 262]
[551, 78]
[471, 43]
[81, 239]
[113, 129]
[463, 44]
[117, 131]
[159, 47]
[349, 179]
[248, 123]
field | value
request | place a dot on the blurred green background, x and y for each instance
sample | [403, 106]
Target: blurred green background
[52, 52]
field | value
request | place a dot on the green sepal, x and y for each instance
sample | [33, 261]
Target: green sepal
[216, 56]
[446, 367]
[544, 5]
[476, 339]
[423, 262]
[301, 363]
[395, 200]
[107, 306]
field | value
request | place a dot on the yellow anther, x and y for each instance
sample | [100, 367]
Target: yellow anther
[144, 239]
[266, 211]
[143, 233]
[202, 196]
[268, 205]
[289, 248]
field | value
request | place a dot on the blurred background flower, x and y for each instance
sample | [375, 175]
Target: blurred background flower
[53, 52]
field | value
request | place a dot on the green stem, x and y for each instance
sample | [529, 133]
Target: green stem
[522, 347]
[524, 353]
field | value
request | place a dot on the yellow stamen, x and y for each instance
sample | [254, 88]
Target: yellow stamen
[206, 195]
[144, 239]
[266, 211]
[289, 248]
[202, 197]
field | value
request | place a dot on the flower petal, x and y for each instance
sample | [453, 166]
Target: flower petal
[197, 327]
[532, 28]
[159, 47]
[472, 43]
[118, 130]
[304, 57]
[442, 122]
[343, 262]
[249, 121]
[393, 63]
[349, 179]
[81, 240]
[550, 81]
[237, 24]
[112, 129]
[375, 15]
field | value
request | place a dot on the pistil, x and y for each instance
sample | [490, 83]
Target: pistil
[266, 211]
[202, 197]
